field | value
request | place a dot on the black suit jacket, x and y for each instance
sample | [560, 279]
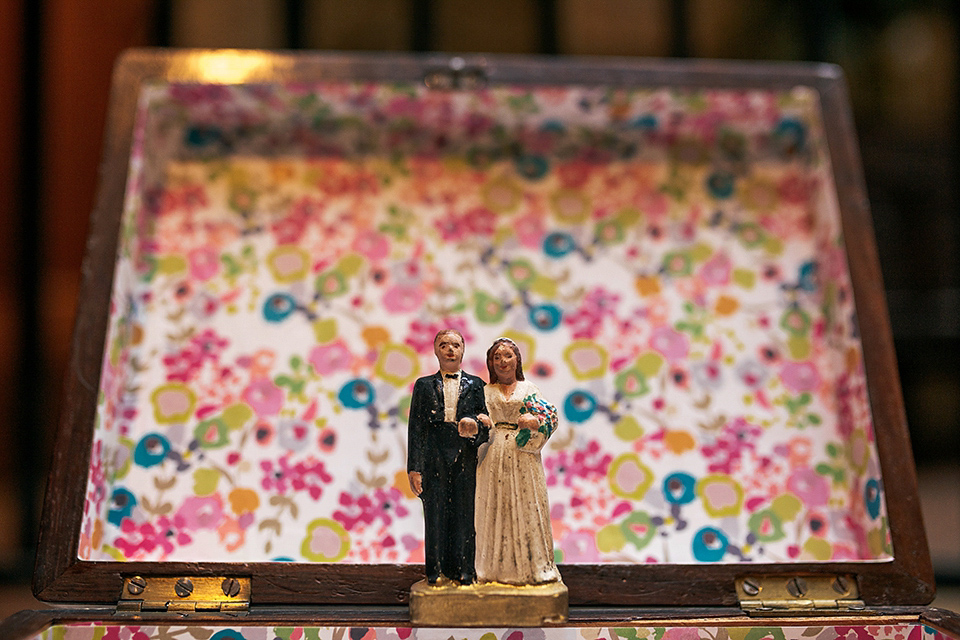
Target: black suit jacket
[427, 435]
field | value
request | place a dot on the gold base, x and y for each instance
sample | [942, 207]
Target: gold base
[491, 604]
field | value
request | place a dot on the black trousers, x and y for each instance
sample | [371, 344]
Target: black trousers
[449, 490]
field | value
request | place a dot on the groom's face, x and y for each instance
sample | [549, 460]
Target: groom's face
[449, 350]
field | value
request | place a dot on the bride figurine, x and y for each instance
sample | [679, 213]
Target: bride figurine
[514, 540]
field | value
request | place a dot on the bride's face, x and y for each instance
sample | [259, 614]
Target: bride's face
[505, 364]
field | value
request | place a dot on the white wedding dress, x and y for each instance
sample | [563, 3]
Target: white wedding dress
[514, 540]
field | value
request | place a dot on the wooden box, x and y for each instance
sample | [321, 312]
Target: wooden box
[682, 250]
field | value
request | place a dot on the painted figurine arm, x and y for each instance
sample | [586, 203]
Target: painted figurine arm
[474, 407]
[416, 434]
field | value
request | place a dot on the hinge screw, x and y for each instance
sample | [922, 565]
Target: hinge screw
[750, 587]
[796, 587]
[841, 585]
[184, 587]
[136, 585]
[231, 587]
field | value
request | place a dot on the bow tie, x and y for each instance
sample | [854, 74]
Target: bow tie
[451, 375]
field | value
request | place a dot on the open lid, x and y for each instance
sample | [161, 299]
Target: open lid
[682, 250]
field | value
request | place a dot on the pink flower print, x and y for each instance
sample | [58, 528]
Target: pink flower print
[708, 374]
[800, 377]
[232, 532]
[200, 512]
[414, 548]
[832, 264]
[259, 363]
[682, 633]
[293, 435]
[263, 432]
[587, 320]
[851, 402]
[405, 106]
[732, 442]
[199, 94]
[680, 377]
[333, 182]
[264, 397]
[403, 299]
[372, 245]
[795, 188]
[475, 124]
[138, 540]
[422, 333]
[753, 374]
[310, 475]
[204, 305]
[817, 524]
[183, 291]
[97, 478]
[772, 273]
[670, 343]
[864, 633]
[797, 451]
[529, 230]
[382, 504]
[117, 632]
[654, 204]
[481, 221]
[330, 358]
[290, 228]
[452, 228]
[579, 547]
[808, 485]
[209, 344]
[204, 263]
[539, 369]
[716, 270]
[275, 480]
[205, 346]
[769, 354]
[586, 464]
[574, 174]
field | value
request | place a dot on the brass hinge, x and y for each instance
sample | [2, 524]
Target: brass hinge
[184, 594]
[799, 595]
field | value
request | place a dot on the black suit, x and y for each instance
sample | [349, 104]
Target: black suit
[447, 464]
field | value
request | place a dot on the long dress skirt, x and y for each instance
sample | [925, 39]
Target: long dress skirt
[514, 540]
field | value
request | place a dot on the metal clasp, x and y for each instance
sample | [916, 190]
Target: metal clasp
[799, 595]
[184, 594]
[457, 76]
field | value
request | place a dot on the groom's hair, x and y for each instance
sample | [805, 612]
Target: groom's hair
[444, 332]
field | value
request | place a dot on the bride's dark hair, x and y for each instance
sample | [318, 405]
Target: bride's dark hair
[493, 348]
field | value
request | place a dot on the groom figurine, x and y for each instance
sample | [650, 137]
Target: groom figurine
[443, 436]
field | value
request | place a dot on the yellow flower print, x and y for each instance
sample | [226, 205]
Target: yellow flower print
[288, 263]
[501, 194]
[326, 541]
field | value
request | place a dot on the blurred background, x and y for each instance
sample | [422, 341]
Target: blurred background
[901, 59]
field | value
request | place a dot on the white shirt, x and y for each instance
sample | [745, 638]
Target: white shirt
[451, 394]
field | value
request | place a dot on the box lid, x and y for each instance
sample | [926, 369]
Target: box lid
[682, 250]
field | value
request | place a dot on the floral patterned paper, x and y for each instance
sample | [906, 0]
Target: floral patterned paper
[172, 632]
[670, 262]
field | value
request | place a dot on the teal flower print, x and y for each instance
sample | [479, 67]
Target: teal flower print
[278, 307]
[151, 450]
[709, 545]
